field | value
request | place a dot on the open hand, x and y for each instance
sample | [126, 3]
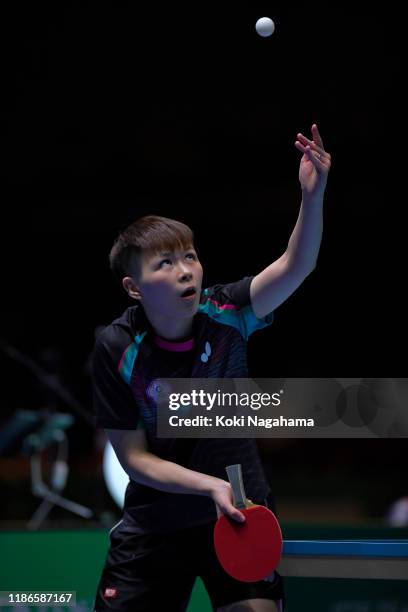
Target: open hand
[314, 165]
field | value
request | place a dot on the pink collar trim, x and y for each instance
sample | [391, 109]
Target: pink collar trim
[176, 347]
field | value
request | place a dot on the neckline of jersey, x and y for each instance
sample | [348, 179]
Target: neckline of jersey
[175, 347]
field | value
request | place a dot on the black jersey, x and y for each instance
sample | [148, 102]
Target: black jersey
[129, 357]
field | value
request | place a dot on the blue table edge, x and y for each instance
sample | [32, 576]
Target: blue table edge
[338, 548]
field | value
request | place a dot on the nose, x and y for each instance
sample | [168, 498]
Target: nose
[185, 272]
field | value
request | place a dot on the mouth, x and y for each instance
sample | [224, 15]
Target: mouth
[189, 293]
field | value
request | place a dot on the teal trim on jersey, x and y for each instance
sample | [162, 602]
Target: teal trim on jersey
[243, 320]
[129, 358]
[252, 322]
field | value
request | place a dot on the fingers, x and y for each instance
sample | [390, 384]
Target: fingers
[312, 144]
[316, 144]
[300, 147]
[314, 153]
[316, 158]
[236, 515]
[316, 136]
[231, 512]
[222, 496]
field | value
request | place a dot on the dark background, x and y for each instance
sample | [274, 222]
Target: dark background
[113, 110]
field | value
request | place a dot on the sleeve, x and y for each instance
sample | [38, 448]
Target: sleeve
[235, 299]
[114, 404]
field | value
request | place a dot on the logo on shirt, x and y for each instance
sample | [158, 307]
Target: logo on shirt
[156, 391]
[110, 593]
[206, 355]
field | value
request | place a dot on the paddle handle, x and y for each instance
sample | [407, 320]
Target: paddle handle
[234, 473]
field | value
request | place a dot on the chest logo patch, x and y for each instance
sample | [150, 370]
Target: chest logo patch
[206, 355]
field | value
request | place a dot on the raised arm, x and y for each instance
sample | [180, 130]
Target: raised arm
[279, 280]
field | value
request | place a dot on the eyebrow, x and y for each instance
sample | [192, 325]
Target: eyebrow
[168, 253]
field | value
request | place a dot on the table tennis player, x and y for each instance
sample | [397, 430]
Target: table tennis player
[178, 329]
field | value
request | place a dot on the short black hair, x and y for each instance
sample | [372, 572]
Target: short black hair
[148, 235]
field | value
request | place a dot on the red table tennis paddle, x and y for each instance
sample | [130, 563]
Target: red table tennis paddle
[248, 551]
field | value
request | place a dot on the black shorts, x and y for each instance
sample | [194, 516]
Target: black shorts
[150, 572]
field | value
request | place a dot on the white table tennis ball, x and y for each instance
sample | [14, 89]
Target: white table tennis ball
[265, 26]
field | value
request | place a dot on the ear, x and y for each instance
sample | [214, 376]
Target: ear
[131, 288]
